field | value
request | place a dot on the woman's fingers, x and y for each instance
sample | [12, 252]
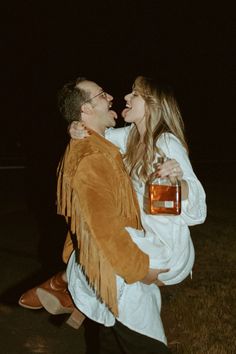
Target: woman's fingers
[170, 168]
[77, 130]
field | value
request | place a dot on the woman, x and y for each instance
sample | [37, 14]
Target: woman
[157, 129]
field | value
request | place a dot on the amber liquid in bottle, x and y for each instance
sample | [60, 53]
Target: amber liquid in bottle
[162, 195]
[164, 199]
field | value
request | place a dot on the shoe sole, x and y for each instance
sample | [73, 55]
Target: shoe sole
[51, 303]
[30, 307]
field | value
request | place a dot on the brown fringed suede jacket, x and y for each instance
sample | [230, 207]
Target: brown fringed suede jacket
[96, 196]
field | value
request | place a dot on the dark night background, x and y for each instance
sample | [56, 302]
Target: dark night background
[45, 44]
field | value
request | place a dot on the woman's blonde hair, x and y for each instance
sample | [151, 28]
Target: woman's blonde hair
[162, 115]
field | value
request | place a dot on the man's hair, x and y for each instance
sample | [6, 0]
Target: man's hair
[71, 98]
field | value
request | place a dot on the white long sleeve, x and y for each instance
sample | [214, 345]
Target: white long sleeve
[193, 208]
[167, 238]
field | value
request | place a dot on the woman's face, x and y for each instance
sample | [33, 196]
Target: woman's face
[135, 108]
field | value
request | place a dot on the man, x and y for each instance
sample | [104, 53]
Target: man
[96, 197]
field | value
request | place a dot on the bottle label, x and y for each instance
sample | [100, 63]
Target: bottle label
[162, 199]
[163, 204]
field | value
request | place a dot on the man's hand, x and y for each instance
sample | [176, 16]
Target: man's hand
[152, 277]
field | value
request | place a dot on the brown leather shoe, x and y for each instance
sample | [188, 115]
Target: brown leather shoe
[30, 298]
[59, 302]
[55, 302]
[76, 319]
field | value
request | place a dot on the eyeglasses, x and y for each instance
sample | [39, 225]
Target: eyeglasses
[103, 93]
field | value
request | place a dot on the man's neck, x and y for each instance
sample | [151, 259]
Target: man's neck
[98, 130]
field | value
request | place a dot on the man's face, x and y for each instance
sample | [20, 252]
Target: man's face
[99, 103]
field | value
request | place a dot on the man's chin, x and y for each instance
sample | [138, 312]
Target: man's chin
[113, 123]
[113, 113]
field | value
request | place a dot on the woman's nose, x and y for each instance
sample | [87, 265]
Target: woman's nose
[127, 97]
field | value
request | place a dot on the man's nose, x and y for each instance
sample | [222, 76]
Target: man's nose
[109, 97]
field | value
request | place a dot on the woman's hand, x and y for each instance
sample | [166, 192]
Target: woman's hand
[170, 168]
[77, 130]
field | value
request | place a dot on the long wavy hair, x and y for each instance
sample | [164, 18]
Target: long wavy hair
[162, 115]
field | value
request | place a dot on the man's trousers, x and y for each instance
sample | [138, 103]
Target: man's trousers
[119, 339]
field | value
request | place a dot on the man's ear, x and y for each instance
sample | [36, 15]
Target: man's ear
[86, 108]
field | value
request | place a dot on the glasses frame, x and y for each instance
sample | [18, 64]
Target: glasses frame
[91, 98]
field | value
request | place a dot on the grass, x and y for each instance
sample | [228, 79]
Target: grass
[199, 315]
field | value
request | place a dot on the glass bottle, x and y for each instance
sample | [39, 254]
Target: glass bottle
[162, 195]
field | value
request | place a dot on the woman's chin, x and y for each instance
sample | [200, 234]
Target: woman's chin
[127, 119]
[125, 112]
[125, 115]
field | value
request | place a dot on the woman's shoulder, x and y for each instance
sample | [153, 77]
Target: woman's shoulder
[167, 139]
[118, 136]
[169, 143]
[116, 132]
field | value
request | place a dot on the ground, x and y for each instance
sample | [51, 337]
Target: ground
[198, 315]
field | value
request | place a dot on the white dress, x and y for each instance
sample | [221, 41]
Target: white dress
[166, 240]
